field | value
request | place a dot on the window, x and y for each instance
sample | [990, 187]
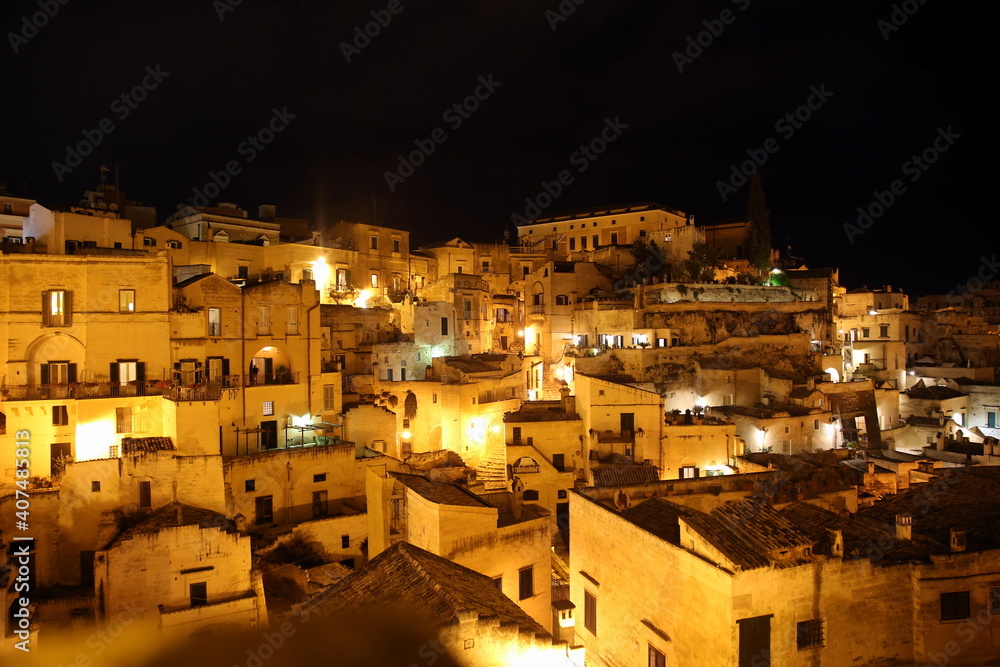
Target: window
[126, 300]
[596, 240]
[267, 409]
[199, 594]
[531, 495]
[374, 280]
[319, 477]
[809, 633]
[3, 423]
[343, 280]
[572, 243]
[319, 504]
[614, 237]
[656, 658]
[395, 245]
[8, 209]
[214, 321]
[329, 397]
[955, 606]
[249, 485]
[264, 321]
[444, 326]
[526, 583]
[689, 472]
[883, 331]
[590, 612]
[486, 266]
[866, 332]
[95, 487]
[388, 375]
[148, 241]
[124, 371]
[498, 582]
[787, 429]
[562, 300]
[123, 420]
[293, 321]
[176, 245]
[995, 600]
[60, 415]
[583, 243]
[57, 308]
[434, 398]
[561, 494]
[815, 424]
[145, 495]
[263, 510]
[345, 541]
[559, 462]
[373, 244]
[243, 272]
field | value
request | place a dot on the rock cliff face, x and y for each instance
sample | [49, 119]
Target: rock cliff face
[715, 326]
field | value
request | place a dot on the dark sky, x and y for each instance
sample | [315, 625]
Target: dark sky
[891, 92]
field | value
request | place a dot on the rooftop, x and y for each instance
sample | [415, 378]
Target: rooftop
[440, 492]
[407, 579]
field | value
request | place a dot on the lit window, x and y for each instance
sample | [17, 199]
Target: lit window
[809, 633]
[126, 300]
[267, 409]
[374, 280]
[214, 321]
[57, 308]
[123, 420]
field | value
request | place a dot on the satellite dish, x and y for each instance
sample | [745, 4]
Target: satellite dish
[622, 501]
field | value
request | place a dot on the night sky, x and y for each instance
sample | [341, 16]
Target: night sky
[226, 66]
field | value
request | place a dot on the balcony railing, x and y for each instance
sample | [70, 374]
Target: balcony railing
[615, 436]
[261, 379]
[197, 391]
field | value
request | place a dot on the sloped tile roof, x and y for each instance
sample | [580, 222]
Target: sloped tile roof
[405, 578]
[175, 515]
[440, 492]
[153, 444]
[617, 475]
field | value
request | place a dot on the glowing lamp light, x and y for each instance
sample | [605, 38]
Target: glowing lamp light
[94, 440]
[521, 333]
[495, 429]
[363, 297]
[701, 402]
[320, 271]
[406, 435]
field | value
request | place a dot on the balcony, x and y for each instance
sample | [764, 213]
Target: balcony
[195, 391]
[614, 436]
[262, 379]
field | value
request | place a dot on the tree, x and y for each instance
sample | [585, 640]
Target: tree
[758, 242]
[701, 262]
[410, 406]
[650, 261]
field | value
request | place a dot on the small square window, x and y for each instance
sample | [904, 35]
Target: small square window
[95, 487]
[345, 541]
[955, 606]
[809, 633]
[268, 408]
[321, 477]
[250, 485]
[561, 494]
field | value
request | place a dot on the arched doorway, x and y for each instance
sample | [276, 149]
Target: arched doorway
[270, 365]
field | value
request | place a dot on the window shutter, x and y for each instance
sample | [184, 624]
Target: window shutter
[72, 373]
[140, 371]
[113, 373]
[68, 307]
[45, 309]
[45, 373]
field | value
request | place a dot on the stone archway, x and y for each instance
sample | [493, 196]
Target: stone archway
[56, 348]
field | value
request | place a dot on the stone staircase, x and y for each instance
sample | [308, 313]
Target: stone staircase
[492, 470]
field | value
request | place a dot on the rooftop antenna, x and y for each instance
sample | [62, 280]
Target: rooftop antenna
[104, 170]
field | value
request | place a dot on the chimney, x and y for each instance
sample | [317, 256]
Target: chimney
[871, 467]
[563, 623]
[516, 497]
[568, 402]
[940, 441]
[904, 526]
[957, 540]
[836, 542]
